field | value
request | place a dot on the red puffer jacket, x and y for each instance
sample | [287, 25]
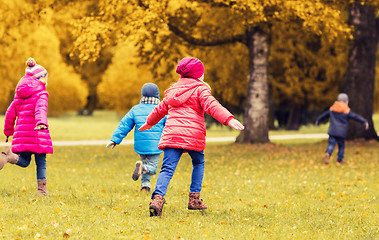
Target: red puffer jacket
[29, 107]
[184, 104]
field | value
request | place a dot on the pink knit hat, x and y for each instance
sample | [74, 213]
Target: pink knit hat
[190, 67]
[34, 69]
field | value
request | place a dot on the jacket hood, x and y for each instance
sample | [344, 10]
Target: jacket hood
[340, 107]
[181, 91]
[28, 86]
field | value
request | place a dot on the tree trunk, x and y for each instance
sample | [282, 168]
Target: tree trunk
[294, 119]
[360, 76]
[257, 103]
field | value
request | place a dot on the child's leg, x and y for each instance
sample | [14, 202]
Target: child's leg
[150, 162]
[331, 145]
[198, 163]
[41, 165]
[41, 173]
[194, 201]
[341, 149]
[170, 161]
[24, 159]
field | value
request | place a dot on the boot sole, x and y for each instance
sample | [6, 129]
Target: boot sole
[326, 159]
[137, 171]
[154, 212]
[197, 209]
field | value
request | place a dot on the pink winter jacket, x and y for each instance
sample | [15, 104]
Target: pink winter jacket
[28, 109]
[184, 104]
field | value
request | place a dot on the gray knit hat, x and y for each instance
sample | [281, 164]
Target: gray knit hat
[150, 90]
[342, 97]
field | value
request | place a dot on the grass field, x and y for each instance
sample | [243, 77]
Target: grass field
[101, 125]
[262, 191]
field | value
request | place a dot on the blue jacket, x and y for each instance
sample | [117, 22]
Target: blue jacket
[339, 115]
[145, 142]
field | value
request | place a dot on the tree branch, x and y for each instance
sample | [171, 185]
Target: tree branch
[206, 42]
[212, 3]
[143, 5]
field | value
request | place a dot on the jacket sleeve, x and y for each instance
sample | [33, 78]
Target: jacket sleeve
[324, 115]
[10, 118]
[213, 107]
[41, 109]
[159, 112]
[357, 117]
[124, 127]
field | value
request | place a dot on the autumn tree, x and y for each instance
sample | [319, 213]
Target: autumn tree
[245, 22]
[27, 33]
[306, 72]
[360, 76]
[161, 28]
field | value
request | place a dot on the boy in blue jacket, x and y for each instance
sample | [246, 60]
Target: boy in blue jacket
[339, 114]
[146, 142]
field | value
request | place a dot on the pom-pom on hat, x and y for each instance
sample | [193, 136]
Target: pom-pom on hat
[190, 67]
[150, 90]
[34, 69]
[342, 97]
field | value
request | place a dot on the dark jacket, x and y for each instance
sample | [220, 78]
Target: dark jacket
[340, 114]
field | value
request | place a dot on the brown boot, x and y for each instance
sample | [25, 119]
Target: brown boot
[3, 160]
[156, 206]
[327, 158]
[138, 170]
[195, 203]
[42, 191]
[7, 156]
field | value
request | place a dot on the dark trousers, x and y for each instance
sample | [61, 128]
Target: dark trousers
[333, 140]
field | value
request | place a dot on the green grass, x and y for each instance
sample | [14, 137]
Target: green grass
[262, 191]
[101, 125]
[252, 192]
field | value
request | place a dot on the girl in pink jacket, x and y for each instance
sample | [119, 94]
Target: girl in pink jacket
[184, 104]
[30, 133]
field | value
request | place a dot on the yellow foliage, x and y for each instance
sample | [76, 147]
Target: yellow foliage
[66, 90]
[306, 70]
[226, 68]
[120, 88]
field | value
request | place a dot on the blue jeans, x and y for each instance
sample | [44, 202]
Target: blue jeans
[333, 140]
[40, 158]
[151, 164]
[170, 161]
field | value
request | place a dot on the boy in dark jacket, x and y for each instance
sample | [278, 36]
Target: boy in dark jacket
[339, 114]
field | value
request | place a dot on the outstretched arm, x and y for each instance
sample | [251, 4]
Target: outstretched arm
[124, 127]
[359, 118]
[234, 123]
[159, 112]
[324, 115]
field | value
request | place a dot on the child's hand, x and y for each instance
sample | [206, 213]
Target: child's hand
[144, 127]
[366, 125]
[111, 145]
[234, 123]
[40, 127]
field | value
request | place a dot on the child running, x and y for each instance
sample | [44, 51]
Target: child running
[184, 104]
[31, 133]
[145, 143]
[339, 114]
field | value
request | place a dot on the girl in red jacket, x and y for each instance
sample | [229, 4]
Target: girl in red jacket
[30, 133]
[184, 104]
